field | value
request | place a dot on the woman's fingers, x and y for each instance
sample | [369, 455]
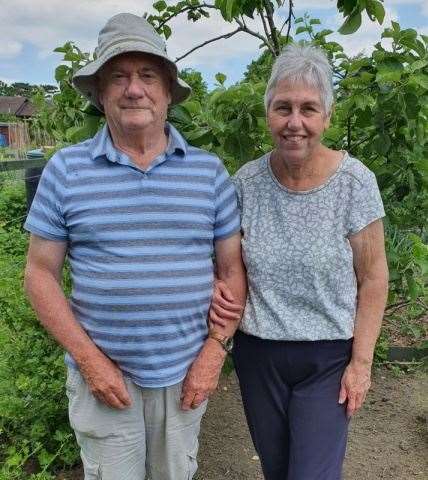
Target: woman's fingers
[214, 318]
[224, 290]
[226, 313]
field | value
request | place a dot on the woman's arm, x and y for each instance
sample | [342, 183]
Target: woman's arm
[368, 248]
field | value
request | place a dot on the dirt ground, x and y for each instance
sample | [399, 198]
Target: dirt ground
[388, 438]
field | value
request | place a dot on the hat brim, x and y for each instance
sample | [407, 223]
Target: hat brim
[85, 80]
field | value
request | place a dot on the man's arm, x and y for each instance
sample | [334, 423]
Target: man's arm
[202, 378]
[45, 261]
[371, 270]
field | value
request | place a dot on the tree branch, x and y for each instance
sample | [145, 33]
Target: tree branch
[245, 29]
[265, 28]
[273, 35]
[227, 35]
[288, 21]
[186, 9]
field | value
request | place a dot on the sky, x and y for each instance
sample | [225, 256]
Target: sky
[31, 29]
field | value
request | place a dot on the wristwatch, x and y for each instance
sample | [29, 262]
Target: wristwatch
[225, 342]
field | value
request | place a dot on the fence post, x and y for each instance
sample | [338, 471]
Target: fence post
[32, 177]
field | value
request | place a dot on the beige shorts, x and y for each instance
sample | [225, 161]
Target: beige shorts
[152, 439]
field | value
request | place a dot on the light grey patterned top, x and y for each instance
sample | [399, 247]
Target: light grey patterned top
[301, 281]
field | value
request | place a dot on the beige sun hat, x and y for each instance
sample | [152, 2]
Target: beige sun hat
[124, 33]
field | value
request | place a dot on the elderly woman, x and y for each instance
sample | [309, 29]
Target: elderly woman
[313, 245]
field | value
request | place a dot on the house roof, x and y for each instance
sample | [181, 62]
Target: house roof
[19, 106]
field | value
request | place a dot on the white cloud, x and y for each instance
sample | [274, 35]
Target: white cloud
[314, 4]
[46, 25]
[403, 2]
[10, 48]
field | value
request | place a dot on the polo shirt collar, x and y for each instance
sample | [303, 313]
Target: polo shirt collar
[101, 145]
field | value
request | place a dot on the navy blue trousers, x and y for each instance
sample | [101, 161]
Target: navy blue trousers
[290, 393]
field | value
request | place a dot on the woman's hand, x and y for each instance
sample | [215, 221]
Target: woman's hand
[354, 386]
[223, 307]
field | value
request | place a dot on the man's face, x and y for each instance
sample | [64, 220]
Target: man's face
[134, 91]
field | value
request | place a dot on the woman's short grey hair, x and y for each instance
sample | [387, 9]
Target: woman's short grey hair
[303, 64]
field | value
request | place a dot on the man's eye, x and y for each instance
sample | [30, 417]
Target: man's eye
[147, 75]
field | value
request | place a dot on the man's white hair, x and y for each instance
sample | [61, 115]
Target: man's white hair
[304, 64]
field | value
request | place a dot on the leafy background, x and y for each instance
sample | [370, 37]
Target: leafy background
[380, 117]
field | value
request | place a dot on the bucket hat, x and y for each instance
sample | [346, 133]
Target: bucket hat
[124, 33]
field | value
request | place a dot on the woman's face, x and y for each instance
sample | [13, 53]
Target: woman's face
[296, 119]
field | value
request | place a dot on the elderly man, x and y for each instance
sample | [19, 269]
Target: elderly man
[139, 212]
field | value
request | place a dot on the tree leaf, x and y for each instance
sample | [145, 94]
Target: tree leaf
[351, 24]
[301, 30]
[160, 6]
[389, 70]
[382, 143]
[418, 65]
[221, 78]
[375, 9]
[314, 21]
[229, 9]
[420, 79]
[61, 72]
[167, 31]
[412, 105]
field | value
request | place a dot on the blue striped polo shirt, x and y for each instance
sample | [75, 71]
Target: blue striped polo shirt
[140, 247]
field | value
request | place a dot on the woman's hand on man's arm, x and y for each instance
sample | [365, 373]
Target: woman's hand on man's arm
[223, 306]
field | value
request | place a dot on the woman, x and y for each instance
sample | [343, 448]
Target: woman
[313, 245]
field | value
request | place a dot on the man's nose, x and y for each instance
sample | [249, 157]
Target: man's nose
[135, 87]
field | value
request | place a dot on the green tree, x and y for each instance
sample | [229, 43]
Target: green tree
[195, 80]
[238, 12]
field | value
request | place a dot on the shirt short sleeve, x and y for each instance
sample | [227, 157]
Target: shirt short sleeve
[227, 220]
[366, 204]
[45, 217]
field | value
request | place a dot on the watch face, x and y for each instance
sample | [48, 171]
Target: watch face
[228, 345]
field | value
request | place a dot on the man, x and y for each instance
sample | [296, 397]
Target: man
[137, 210]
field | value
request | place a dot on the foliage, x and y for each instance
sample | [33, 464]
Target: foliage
[69, 118]
[215, 124]
[194, 79]
[12, 204]
[25, 89]
[352, 11]
[31, 364]
[239, 11]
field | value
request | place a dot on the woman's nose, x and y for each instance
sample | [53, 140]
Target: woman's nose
[294, 120]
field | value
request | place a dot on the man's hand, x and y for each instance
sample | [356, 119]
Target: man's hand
[355, 384]
[202, 378]
[223, 307]
[105, 381]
